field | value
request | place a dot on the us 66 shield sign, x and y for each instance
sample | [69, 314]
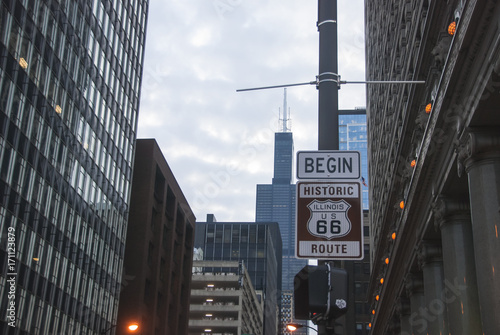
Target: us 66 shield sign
[329, 220]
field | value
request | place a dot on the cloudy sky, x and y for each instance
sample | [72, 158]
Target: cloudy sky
[219, 143]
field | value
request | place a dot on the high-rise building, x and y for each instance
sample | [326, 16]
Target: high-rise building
[159, 248]
[434, 152]
[70, 77]
[258, 246]
[276, 203]
[353, 135]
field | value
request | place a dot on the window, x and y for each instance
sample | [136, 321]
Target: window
[359, 329]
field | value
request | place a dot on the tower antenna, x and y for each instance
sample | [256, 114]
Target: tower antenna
[286, 115]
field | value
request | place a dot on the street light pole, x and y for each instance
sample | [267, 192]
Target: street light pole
[328, 89]
[327, 83]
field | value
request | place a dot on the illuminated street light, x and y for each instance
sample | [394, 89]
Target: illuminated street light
[294, 326]
[131, 328]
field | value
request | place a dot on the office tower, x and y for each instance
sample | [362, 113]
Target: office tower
[159, 248]
[224, 302]
[434, 166]
[353, 135]
[258, 246]
[70, 77]
[276, 203]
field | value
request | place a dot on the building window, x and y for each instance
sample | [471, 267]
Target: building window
[359, 329]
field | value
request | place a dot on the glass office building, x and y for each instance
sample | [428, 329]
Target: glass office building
[276, 203]
[70, 76]
[353, 136]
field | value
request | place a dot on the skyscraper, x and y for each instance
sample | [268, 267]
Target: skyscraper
[70, 77]
[353, 135]
[276, 203]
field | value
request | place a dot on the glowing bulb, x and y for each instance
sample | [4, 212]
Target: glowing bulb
[428, 108]
[452, 28]
[402, 205]
[393, 236]
[387, 261]
[413, 163]
[381, 280]
[133, 327]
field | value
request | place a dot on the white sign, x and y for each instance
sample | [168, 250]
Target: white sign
[329, 220]
[328, 164]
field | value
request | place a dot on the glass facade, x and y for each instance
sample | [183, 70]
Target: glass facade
[70, 74]
[353, 136]
[276, 203]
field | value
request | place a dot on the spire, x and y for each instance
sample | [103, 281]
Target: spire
[285, 127]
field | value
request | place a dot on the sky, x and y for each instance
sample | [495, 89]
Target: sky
[219, 143]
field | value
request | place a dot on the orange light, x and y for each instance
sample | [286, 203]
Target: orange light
[393, 236]
[452, 28]
[428, 108]
[133, 327]
[381, 280]
[402, 205]
[413, 163]
[370, 325]
[377, 297]
[373, 311]
[291, 328]
[387, 260]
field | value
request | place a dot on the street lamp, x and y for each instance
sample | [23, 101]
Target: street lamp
[131, 327]
[294, 326]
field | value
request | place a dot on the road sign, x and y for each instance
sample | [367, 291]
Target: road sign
[328, 164]
[329, 221]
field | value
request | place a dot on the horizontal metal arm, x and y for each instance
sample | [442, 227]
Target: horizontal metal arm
[277, 86]
[339, 82]
[383, 82]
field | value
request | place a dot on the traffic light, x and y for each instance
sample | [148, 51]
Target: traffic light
[320, 292]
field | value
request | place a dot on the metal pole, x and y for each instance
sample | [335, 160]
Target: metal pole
[328, 89]
[328, 95]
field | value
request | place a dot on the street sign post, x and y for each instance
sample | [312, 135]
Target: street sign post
[329, 220]
[328, 164]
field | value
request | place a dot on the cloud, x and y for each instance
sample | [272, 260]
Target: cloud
[220, 143]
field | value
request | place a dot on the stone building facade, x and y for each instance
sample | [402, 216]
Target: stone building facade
[434, 154]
